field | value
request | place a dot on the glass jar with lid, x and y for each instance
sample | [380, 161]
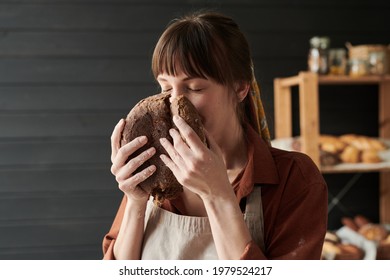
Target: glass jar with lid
[318, 55]
[377, 62]
[358, 67]
[337, 61]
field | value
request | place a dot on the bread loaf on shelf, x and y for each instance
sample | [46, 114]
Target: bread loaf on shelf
[347, 148]
[334, 249]
[371, 231]
[340, 248]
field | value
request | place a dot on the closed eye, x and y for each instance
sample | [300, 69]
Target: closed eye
[195, 89]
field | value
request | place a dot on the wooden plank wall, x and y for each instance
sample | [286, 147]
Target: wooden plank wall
[69, 69]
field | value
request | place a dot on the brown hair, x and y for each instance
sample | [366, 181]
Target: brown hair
[206, 45]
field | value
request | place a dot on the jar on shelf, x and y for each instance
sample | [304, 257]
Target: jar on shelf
[358, 67]
[337, 61]
[318, 55]
[377, 62]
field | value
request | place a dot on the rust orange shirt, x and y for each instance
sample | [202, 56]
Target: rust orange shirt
[294, 197]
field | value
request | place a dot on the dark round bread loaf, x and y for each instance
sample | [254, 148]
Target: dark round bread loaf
[152, 117]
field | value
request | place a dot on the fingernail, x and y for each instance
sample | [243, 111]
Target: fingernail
[143, 139]
[162, 157]
[176, 118]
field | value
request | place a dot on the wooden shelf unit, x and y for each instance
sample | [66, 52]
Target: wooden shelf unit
[308, 84]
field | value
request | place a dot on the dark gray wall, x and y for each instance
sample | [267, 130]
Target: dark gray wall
[70, 69]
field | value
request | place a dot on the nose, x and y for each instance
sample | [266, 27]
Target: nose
[175, 93]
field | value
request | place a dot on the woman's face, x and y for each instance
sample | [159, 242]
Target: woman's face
[212, 100]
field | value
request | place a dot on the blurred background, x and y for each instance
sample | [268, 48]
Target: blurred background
[70, 69]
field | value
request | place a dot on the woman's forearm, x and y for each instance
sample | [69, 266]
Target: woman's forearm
[230, 233]
[129, 241]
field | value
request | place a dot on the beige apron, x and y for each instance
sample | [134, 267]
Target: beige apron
[169, 236]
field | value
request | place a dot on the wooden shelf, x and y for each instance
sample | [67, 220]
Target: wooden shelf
[308, 84]
[348, 80]
[357, 167]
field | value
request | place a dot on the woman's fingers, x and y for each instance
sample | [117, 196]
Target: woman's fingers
[115, 138]
[133, 164]
[213, 145]
[131, 184]
[136, 162]
[125, 151]
[170, 164]
[175, 157]
[123, 168]
[188, 134]
[179, 143]
[187, 150]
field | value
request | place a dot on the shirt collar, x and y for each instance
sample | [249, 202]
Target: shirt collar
[260, 169]
[264, 167]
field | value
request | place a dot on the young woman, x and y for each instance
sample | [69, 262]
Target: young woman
[242, 199]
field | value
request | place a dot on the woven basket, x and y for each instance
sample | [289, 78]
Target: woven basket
[362, 52]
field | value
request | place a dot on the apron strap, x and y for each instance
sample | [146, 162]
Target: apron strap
[254, 216]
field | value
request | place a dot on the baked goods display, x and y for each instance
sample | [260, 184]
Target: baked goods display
[347, 148]
[335, 248]
[366, 148]
[152, 117]
[373, 232]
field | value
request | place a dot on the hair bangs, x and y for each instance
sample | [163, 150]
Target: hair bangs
[178, 50]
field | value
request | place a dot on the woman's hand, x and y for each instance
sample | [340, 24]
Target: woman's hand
[198, 168]
[203, 171]
[123, 166]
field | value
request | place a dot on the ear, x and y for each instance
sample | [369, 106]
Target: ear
[241, 90]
